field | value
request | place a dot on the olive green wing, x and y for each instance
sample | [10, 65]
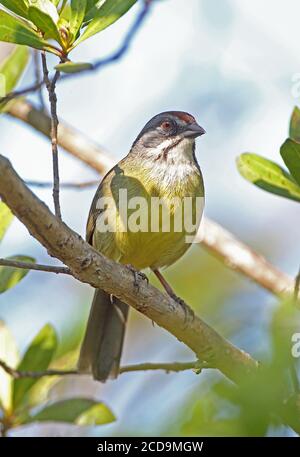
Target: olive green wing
[103, 190]
[104, 239]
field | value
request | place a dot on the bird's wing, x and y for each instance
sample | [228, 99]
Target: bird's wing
[94, 211]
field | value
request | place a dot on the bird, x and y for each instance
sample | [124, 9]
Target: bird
[161, 166]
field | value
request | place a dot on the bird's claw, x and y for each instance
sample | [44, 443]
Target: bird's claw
[138, 276]
[188, 312]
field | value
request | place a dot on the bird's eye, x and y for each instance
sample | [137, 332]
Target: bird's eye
[166, 125]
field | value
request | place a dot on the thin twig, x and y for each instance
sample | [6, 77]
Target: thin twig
[175, 367]
[38, 77]
[65, 185]
[168, 367]
[19, 93]
[51, 85]
[98, 63]
[138, 22]
[121, 51]
[34, 266]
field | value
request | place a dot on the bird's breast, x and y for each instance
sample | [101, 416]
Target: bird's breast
[155, 211]
[165, 205]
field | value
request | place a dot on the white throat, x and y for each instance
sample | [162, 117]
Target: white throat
[174, 150]
[170, 162]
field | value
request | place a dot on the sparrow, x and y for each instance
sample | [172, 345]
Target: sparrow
[160, 171]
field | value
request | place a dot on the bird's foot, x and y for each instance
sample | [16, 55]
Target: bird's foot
[138, 276]
[188, 312]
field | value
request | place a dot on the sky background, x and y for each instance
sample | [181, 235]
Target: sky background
[231, 64]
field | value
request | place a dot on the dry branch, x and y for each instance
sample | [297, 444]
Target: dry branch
[175, 367]
[240, 257]
[68, 138]
[51, 85]
[34, 266]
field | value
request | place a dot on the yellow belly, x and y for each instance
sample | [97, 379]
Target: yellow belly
[142, 237]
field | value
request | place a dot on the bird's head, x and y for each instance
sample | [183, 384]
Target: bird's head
[167, 131]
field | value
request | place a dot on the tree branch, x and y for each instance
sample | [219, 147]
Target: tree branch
[214, 238]
[68, 138]
[175, 367]
[89, 266]
[34, 266]
[65, 185]
[19, 93]
[54, 125]
[238, 256]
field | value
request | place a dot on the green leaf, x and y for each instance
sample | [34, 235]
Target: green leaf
[39, 393]
[92, 8]
[14, 30]
[44, 15]
[78, 8]
[43, 389]
[81, 411]
[108, 13]
[12, 69]
[9, 354]
[65, 13]
[98, 414]
[37, 358]
[290, 152]
[47, 7]
[73, 67]
[19, 7]
[268, 176]
[294, 131]
[10, 277]
[6, 218]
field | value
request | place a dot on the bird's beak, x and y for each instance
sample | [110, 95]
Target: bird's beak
[193, 130]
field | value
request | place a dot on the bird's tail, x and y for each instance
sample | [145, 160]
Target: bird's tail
[102, 344]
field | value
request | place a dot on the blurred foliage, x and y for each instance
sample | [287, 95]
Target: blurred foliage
[6, 218]
[19, 395]
[260, 403]
[9, 354]
[10, 277]
[37, 23]
[37, 358]
[78, 411]
[20, 398]
[272, 177]
[12, 69]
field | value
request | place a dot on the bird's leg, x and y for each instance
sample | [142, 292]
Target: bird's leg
[165, 284]
[138, 275]
[187, 311]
